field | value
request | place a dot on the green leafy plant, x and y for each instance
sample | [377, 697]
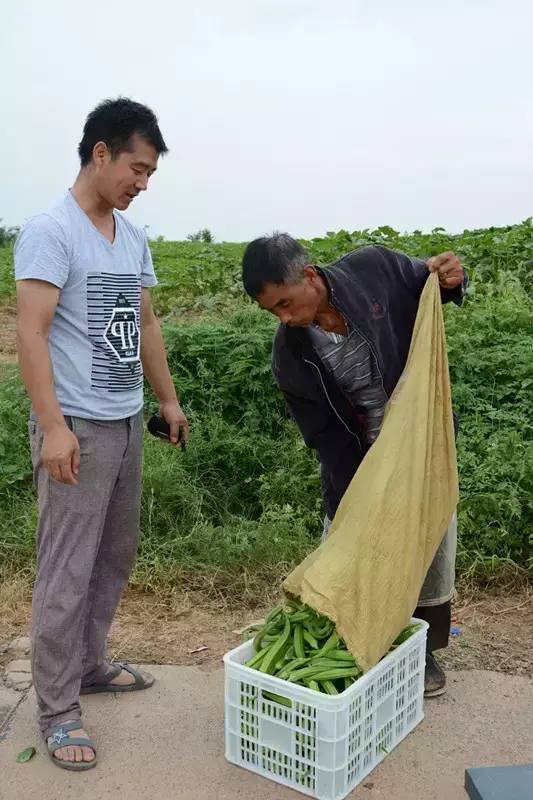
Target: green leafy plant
[242, 505]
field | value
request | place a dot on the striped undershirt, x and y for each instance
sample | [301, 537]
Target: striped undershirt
[354, 370]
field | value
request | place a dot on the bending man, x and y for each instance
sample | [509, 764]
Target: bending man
[338, 353]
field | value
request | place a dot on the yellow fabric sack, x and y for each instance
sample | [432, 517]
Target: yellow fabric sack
[367, 575]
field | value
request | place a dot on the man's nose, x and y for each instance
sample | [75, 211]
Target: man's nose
[141, 184]
[285, 317]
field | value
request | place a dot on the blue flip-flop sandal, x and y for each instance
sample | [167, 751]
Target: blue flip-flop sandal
[142, 681]
[60, 737]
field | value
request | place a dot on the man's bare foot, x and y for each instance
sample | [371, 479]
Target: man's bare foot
[73, 752]
[125, 678]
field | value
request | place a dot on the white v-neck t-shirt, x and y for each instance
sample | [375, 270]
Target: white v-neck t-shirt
[95, 336]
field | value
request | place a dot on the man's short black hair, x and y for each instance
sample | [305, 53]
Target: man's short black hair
[272, 259]
[115, 122]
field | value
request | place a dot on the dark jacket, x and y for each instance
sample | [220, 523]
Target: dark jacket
[377, 290]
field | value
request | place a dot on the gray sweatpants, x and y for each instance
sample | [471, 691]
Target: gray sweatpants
[86, 543]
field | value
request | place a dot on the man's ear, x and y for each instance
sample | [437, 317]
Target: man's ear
[310, 273]
[100, 153]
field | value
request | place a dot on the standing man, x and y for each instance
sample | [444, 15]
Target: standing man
[338, 353]
[86, 332]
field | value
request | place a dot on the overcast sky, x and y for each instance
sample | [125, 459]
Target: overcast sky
[300, 115]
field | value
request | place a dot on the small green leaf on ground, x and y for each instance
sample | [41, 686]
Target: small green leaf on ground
[26, 754]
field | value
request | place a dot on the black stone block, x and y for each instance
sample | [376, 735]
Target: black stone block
[500, 783]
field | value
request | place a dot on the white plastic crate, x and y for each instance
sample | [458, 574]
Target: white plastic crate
[323, 745]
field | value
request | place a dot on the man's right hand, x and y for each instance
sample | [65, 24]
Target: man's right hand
[61, 454]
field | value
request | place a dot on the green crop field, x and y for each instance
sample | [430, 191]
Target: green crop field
[242, 504]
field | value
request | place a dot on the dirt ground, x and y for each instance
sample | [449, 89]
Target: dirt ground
[494, 632]
[494, 629]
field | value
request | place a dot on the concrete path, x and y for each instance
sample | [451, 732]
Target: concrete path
[168, 744]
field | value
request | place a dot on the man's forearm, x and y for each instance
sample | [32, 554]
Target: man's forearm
[154, 361]
[37, 373]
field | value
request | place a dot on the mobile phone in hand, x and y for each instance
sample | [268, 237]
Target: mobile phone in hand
[157, 426]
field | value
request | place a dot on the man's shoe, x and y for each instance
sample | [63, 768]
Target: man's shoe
[434, 679]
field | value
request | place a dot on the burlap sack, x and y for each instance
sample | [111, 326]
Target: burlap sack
[368, 573]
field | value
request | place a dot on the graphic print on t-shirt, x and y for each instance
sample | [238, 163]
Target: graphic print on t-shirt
[113, 309]
[122, 332]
